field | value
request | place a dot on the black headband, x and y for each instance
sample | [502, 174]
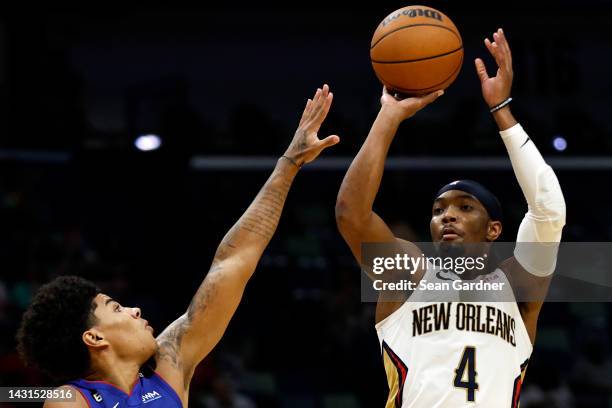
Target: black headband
[486, 198]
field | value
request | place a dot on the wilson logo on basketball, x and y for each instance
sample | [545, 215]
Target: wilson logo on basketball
[413, 12]
[416, 50]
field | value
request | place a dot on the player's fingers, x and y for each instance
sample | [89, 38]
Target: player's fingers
[429, 98]
[505, 57]
[306, 111]
[315, 105]
[501, 47]
[386, 96]
[317, 96]
[493, 49]
[502, 41]
[329, 141]
[319, 116]
[489, 46]
[308, 108]
[323, 94]
[481, 70]
[506, 47]
[496, 52]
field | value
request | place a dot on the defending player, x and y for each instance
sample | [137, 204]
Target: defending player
[451, 353]
[74, 332]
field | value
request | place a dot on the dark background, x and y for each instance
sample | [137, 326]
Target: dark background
[78, 85]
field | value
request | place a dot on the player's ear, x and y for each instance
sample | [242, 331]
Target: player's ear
[494, 229]
[94, 338]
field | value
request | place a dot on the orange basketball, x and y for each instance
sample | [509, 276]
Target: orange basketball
[416, 50]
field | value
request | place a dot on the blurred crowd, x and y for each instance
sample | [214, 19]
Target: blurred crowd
[302, 337]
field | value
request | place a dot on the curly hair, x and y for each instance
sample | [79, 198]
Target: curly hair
[50, 335]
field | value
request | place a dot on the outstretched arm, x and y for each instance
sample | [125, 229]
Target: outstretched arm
[193, 335]
[539, 234]
[496, 90]
[355, 217]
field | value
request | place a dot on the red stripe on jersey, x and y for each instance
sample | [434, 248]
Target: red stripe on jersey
[402, 371]
[518, 384]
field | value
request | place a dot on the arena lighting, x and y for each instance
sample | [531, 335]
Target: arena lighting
[147, 143]
[559, 143]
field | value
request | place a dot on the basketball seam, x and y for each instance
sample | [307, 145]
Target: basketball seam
[439, 83]
[418, 59]
[415, 25]
[429, 87]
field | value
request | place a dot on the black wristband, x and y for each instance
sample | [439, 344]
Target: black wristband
[291, 160]
[501, 105]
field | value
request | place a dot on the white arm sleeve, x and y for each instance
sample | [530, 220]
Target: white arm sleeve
[545, 216]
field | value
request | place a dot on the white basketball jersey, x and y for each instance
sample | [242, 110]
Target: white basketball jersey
[450, 353]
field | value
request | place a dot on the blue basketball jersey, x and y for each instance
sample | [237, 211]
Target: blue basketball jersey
[150, 391]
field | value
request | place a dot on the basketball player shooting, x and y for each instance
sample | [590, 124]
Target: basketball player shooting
[452, 353]
[90, 342]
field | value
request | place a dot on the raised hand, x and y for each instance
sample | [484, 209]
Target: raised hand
[306, 145]
[405, 108]
[496, 90]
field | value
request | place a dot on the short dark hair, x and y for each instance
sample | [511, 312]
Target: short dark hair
[50, 335]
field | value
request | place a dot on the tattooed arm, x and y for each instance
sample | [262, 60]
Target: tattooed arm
[193, 335]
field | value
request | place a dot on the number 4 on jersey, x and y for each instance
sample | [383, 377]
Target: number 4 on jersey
[465, 373]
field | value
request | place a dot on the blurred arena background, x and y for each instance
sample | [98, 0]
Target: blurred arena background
[223, 88]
